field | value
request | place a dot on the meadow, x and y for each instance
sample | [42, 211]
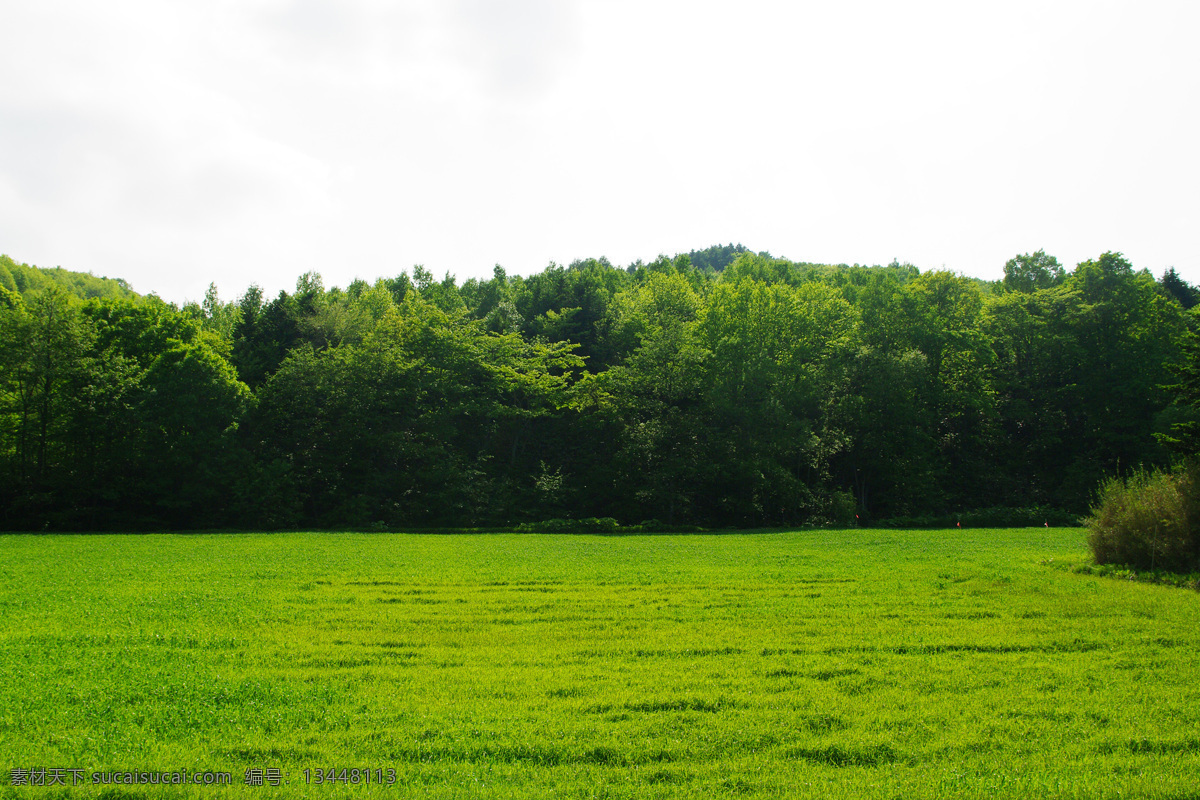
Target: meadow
[859, 663]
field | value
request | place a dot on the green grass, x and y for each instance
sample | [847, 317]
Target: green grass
[812, 664]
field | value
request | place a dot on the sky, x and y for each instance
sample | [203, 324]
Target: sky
[175, 143]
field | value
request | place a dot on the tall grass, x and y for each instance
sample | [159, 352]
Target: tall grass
[1149, 520]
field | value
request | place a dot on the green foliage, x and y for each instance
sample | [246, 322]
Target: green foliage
[1149, 520]
[28, 280]
[429, 421]
[114, 412]
[717, 257]
[219, 318]
[188, 403]
[763, 393]
[763, 268]
[996, 517]
[1079, 379]
[7, 281]
[1175, 287]
[1183, 434]
[1032, 271]
[586, 525]
[656, 397]
[841, 510]
[773, 350]
[43, 346]
[265, 334]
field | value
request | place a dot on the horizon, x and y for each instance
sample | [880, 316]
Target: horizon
[1068, 269]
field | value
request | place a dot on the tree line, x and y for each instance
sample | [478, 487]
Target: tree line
[718, 388]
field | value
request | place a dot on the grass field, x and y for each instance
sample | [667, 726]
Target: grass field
[878, 664]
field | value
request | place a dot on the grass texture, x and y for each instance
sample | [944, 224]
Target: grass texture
[863, 663]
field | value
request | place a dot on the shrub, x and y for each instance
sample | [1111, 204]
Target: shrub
[1009, 517]
[842, 508]
[1150, 520]
[587, 525]
[994, 517]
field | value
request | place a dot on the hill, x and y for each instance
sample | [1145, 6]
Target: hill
[27, 280]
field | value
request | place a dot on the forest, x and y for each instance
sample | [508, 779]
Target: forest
[720, 388]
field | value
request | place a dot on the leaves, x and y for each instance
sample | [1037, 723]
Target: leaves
[731, 388]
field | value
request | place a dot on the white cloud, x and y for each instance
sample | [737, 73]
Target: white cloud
[175, 143]
[517, 48]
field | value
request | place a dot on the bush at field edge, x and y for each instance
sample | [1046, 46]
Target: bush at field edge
[1149, 520]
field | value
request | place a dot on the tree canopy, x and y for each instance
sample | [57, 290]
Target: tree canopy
[718, 388]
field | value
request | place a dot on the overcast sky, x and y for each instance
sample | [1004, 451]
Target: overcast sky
[176, 142]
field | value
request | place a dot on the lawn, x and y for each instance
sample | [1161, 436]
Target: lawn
[862, 663]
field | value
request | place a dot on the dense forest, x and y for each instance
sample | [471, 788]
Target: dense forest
[718, 388]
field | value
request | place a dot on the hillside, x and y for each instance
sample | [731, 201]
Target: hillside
[27, 280]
